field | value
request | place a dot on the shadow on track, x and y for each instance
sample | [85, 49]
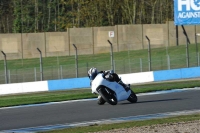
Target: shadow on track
[163, 100]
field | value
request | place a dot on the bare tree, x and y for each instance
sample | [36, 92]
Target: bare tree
[36, 15]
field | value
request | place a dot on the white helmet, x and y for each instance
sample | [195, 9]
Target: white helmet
[92, 73]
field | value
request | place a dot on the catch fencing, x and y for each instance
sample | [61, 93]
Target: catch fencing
[62, 67]
[60, 55]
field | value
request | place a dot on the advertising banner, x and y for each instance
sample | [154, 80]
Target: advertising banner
[187, 12]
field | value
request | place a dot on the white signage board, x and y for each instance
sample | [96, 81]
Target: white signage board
[187, 12]
[111, 34]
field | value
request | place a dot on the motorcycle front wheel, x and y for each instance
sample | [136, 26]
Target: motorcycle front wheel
[132, 98]
[101, 101]
[108, 95]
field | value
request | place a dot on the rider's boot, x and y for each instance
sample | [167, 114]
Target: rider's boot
[126, 87]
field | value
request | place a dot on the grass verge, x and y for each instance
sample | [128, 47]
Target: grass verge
[106, 127]
[56, 96]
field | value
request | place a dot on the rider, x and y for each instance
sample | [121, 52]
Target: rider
[92, 73]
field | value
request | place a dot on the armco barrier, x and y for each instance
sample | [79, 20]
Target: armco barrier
[23, 87]
[133, 78]
[183, 73]
[84, 82]
[68, 83]
[167, 75]
[193, 72]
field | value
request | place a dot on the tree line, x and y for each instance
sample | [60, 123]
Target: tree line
[25, 16]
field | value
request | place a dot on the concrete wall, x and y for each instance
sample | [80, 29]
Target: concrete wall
[158, 35]
[130, 37]
[93, 40]
[11, 44]
[30, 43]
[82, 38]
[57, 43]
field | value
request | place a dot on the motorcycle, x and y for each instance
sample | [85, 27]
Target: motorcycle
[111, 91]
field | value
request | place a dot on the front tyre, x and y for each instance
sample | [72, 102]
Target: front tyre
[108, 95]
[132, 98]
[101, 101]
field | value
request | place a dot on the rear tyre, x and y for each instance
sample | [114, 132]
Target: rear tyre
[132, 98]
[108, 95]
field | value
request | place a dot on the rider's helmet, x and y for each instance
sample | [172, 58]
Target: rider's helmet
[92, 73]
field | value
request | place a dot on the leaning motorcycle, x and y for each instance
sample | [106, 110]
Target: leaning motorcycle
[111, 91]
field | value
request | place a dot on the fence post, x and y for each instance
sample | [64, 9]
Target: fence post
[87, 66]
[9, 78]
[41, 67]
[76, 60]
[187, 41]
[187, 55]
[58, 72]
[198, 58]
[35, 73]
[140, 65]
[177, 43]
[5, 68]
[114, 65]
[111, 55]
[168, 62]
[196, 42]
[149, 53]
[61, 72]
[129, 60]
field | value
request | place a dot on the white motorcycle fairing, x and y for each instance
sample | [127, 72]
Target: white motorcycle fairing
[99, 80]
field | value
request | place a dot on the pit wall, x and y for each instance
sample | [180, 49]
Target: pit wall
[74, 83]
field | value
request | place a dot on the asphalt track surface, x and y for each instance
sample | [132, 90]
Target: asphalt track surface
[88, 110]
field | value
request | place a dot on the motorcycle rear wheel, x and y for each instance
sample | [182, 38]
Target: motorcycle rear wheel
[132, 98]
[108, 95]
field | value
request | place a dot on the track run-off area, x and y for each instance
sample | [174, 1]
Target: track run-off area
[59, 115]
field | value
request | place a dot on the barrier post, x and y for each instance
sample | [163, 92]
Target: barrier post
[111, 55]
[61, 72]
[41, 67]
[168, 62]
[140, 65]
[5, 68]
[187, 51]
[76, 60]
[197, 52]
[149, 53]
[35, 73]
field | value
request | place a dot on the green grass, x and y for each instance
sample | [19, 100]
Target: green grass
[44, 97]
[176, 52]
[55, 96]
[105, 127]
